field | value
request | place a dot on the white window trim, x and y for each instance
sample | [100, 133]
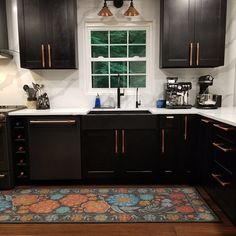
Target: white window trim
[90, 26]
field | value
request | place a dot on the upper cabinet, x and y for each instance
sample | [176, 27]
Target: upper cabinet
[192, 33]
[48, 34]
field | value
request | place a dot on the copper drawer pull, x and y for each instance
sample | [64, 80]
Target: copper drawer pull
[52, 122]
[185, 127]
[163, 141]
[2, 176]
[205, 121]
[191, 55]
[217, 178]
[223, 128]
[116, 141]
[218, 145]
[49, 56]
[123, 141]
[43, 56]
[198, 53]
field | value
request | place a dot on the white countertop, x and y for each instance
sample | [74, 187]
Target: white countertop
[224, 114]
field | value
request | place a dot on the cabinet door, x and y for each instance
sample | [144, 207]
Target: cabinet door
[54, 149]
[170, 147]
[100, 152]
[31, 33]
[139, 152]
[61, 24]
[177, 33]
[210, 21]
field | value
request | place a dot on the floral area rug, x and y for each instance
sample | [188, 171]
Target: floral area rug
[104, 205]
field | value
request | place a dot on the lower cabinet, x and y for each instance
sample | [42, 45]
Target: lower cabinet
[54, 148]
[178, 139]
[120, 146]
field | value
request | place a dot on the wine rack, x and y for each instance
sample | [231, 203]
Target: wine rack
[20, 150]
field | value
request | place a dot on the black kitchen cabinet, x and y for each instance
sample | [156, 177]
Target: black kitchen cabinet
[120, 146]
[177, 135]
[222, 174]
[54, 148]
[48, 34]
[192, 33]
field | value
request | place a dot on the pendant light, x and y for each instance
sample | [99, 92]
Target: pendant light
[131, 10]
[118, 4]
[105, 10]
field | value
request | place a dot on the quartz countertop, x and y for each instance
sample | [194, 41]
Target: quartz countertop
[224, 114]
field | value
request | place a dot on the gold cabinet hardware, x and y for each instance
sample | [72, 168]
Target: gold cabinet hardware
[123, 141]
[191, 55]
[198, 54]
[162, 141]
[217, 178]
[221, 127]
[185, 127]
[219, 146]
[49, 56]
[205, 121]
[116, 141]
[43, 55]
[52, 122]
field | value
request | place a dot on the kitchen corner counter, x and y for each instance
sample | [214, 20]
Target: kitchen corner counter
[224, 114]
[50, 112]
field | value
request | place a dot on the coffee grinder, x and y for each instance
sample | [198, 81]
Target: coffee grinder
[206, 100]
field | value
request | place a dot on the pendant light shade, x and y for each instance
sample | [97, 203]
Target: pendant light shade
[105, 10]
[131, 10]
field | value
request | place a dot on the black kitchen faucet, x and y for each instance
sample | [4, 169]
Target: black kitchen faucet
[119, 94]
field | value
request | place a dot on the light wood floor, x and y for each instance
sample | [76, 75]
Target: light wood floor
[150, 229]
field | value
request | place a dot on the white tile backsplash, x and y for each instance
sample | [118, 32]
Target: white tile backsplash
[67, 88]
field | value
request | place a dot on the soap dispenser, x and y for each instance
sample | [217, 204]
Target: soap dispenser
[97, 102]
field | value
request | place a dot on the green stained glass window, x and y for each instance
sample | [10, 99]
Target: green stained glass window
[137, 81]
[99, 51]
[139, 51]
[100, 67]
[121, 81]
[118, 37]
[118, 51]
[100, 81]
[118, 67]
[99, 37]
[137, 67]
[137, 37]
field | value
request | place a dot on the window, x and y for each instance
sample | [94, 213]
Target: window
[118, 56]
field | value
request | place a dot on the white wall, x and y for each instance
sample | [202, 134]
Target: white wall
[67, 88]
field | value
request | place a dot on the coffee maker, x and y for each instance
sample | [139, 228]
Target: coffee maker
[206, 100]
[177, 94]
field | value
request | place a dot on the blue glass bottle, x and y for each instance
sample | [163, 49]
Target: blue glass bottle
[97, 102]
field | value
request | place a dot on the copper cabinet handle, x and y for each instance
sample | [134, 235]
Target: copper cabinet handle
[123, 141]
[205, 121]
[49, 56]
[162, 141]
[170, 117]
[43, 55]
[52, 122]
[2, 176]
[185, 127]
[218, 145]
[116, 141]
[217, 178]
[221, 127]
[198, 53]
[191, 55]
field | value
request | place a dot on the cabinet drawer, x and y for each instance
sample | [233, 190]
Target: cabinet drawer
[119, 122]
[169, 121]
[225, 132]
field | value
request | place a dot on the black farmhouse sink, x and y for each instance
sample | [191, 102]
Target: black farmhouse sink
[119, 112]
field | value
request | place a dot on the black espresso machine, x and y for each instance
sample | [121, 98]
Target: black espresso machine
[205, 99]
[177, 94]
